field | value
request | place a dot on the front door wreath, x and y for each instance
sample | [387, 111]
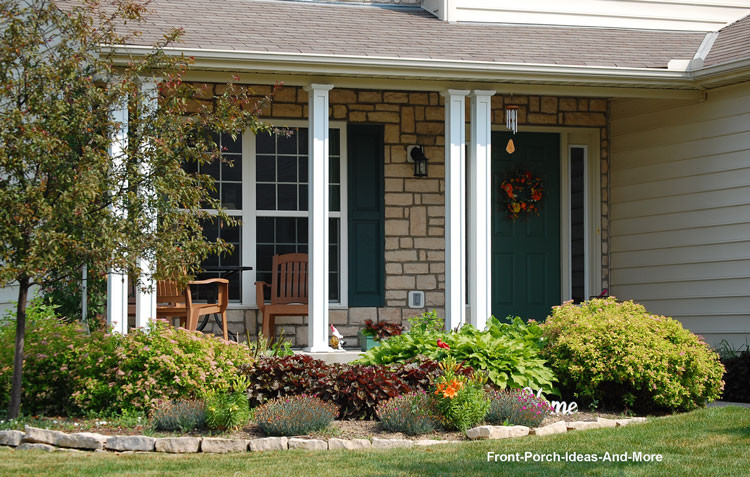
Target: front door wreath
[522, 194]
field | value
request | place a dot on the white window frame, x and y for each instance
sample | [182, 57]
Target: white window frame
[250, 214]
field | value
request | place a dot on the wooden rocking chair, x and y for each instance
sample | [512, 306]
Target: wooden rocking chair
[288, 291]
[173, 301]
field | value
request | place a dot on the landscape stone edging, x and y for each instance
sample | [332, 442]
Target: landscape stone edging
[50, 440]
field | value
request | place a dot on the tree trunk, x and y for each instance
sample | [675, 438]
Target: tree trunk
[14, 407]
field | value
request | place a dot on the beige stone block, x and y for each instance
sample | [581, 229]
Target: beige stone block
[585, 119]
[399, 170]
[417, 221]
[383, 117]
[518, 100]
[287, 110]
[395, 97]
[539, 118]
[433, 199]
[407, 138]
[396, 227]
[392, 134]
[339, 111]
[395, 302]
[394, 185]
[421, 185]
[401, 256]
[401, 282]
[394, 268]
[407, 121]
[394, 212]
[285, 94]
[289, 320]
[308, 444]
[434, 298]
[598, 105]
[349, 444]
[396, 294]
[406, 242]
[558, 427]
[387, 107]
[416, 268]
[358, 316]
[430, 128]
[534, 104]
[497, 432]
[198, 105]
[434, 113]
[568, 104]
[549, 104]
[437, 267]
[435, 210]
[432, 243]
[361, 107]
[370, 97]
[398, 156]
[338, 317]
[395, 198]
[300, 336]
[269, 444]
[419, 113]
[389, 314]
[436, 231]
[419, 98]
[342, 96]
[357, 116]
[426, 282]
[583, 104]
[434, 255]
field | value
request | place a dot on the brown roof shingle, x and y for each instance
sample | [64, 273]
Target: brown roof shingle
[399, 32]
[733, 43]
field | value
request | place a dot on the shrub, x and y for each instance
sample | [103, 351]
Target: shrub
[509, 353]
[737, 376]
[294, 415]
[136, 370]
[382, 329]
[517, 407]
[274, 377]
[182, 415]
[67, 371]
[228, 408]
[462, 401]
[617, 354]
[412, 413]
[53, 350]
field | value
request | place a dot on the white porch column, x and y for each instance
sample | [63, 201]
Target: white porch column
[117, 281]
[455, 208]
[317, 248]
[145, 290]
[480, 195]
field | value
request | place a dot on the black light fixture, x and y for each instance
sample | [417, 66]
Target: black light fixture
[416, 155]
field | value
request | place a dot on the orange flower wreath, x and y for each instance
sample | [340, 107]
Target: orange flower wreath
[522, 194]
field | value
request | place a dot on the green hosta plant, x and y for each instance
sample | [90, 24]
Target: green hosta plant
[509, 353]
[228, 408]
[461, 401]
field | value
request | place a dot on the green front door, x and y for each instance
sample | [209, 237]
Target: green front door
[526, 252]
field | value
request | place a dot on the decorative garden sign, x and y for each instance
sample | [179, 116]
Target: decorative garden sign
[558, 407]
[523, 192]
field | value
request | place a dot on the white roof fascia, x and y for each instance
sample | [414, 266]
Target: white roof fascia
[258, 61]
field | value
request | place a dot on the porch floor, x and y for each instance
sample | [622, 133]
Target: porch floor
[346, 356]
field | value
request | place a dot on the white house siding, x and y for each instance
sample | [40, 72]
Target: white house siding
[680, 209]
[697, 15]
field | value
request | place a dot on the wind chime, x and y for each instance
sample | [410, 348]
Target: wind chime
[511, 122]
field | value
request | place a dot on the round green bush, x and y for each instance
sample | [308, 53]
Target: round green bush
[411, 413]
[294, 415]
[617, 355]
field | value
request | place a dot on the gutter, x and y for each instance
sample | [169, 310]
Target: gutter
[420, 68]
[453, 70]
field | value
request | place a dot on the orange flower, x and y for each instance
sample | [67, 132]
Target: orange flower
[508, 188]
[450, 393]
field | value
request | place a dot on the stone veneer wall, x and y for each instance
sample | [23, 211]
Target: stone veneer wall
[415, 213]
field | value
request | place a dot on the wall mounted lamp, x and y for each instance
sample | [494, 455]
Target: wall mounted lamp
[416, 155]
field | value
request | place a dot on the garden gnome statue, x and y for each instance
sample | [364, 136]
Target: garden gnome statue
[337, 339]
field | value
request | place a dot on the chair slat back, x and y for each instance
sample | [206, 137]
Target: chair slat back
[289, 282]
[168, 292]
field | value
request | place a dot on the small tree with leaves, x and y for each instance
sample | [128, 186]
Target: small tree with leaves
[68, 197]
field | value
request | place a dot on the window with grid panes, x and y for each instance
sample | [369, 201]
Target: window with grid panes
[281, 178]
[227, 174]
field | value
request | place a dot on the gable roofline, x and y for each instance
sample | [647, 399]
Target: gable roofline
[453, 70]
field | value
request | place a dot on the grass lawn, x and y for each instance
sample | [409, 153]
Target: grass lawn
[713, 441]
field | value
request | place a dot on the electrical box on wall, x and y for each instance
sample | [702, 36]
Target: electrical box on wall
[416, 299]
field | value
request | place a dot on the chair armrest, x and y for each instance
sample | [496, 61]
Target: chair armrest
[209, 281]
[259, 300]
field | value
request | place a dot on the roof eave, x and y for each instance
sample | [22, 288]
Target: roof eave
[420, 68]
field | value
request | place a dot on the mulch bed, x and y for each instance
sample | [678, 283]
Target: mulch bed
[340, 429]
